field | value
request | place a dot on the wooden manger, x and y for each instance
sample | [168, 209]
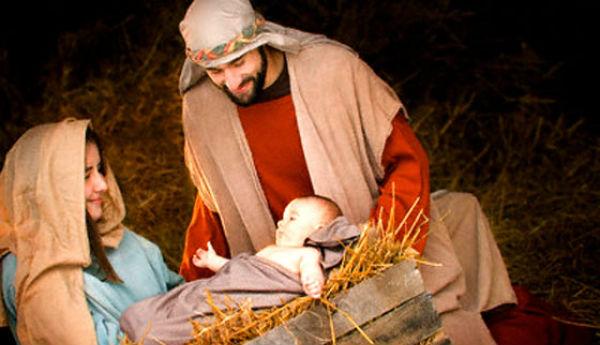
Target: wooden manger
[390, 308]
[375, 296]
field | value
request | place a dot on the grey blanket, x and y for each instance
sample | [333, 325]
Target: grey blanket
[165, 319]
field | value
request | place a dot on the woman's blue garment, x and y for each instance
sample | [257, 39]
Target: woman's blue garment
[137, 261]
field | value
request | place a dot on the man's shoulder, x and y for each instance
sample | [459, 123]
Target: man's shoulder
[327, 52]
[329, 63]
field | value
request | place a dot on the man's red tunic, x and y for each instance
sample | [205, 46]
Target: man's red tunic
[272, 135]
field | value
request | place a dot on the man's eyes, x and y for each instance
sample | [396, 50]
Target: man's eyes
[238, 62]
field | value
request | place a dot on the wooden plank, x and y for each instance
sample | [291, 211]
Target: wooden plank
[439, 338]
[408, 324]
[364, 302]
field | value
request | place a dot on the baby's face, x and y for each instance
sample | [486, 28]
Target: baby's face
[301, 218]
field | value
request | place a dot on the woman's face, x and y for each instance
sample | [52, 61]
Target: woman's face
[95, 184]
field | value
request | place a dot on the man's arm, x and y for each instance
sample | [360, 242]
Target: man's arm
[205, 226]
[406, 179]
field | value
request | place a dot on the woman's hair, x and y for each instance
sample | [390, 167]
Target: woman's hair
[100, 263]
[92, 138]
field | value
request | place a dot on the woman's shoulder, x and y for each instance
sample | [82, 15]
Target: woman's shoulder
[9, 268]
[134, 246]
[132, 238]
[9, 259]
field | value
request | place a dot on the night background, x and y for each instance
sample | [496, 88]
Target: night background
[502, 95]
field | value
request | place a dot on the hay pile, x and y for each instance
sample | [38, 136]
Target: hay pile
[484, 108]
[376, 250]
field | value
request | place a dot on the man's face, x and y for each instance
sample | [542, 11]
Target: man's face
[243, 78]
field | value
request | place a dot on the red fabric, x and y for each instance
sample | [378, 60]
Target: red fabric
[407, 176]
[530, 322]
[205, 226]
[272, 134]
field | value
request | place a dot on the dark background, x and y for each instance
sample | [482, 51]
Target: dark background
[561, 33]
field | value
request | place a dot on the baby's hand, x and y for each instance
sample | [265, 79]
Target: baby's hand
[209, 259]
[312, 283]
[204, 258]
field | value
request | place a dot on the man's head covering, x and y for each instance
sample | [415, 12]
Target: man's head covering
[219, 31]
[42, 221]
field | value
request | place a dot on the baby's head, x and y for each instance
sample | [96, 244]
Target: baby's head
[302, 217]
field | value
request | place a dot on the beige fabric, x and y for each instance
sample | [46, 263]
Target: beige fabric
[244, 278]
[473, 277]
[274, 35]
[42, 221]
[344, 113]
[211, 23]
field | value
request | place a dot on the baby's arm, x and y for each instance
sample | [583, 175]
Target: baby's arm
[311, 274]
[209, 259]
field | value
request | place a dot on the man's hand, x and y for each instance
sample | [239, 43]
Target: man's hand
[209, 259]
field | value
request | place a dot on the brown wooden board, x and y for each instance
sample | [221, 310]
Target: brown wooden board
[395, 298]
[408, 324]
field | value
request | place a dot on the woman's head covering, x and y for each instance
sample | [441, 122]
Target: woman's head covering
[219, 31]
[42, 210]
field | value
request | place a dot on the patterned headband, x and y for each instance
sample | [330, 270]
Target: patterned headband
[245, 37]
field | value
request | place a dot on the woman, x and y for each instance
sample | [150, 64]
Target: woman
[73, 268]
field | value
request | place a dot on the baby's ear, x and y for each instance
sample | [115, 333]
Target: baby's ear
[319, 226]
[315, 229]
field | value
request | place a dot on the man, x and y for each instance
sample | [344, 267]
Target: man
[271, 113]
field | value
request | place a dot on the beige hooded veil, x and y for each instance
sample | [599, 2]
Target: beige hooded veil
[42, 221]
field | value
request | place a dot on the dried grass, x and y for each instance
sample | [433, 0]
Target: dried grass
[376, 250]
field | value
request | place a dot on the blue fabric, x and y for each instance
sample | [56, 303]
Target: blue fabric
[9, 268]
[137, 261]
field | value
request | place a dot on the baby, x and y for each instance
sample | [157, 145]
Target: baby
[310, 240]
[301, 218]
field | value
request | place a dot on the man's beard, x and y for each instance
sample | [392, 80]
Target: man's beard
[257, 80]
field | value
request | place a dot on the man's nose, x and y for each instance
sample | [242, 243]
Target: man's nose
[233, 79]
